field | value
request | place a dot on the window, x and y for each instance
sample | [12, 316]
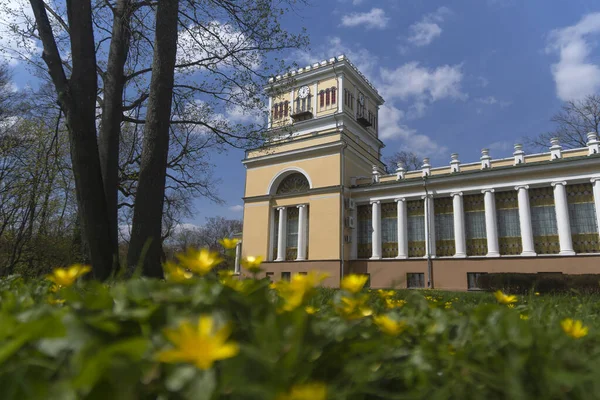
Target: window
[275, 234]
[276, 111]
[389, 230]
[327, 97]
[475, 225]
[473, 280]
[291, 250]
[286, 276]
[285, 108]
[364, 227]
[543, 221]
[270, 275]
[293, 183]
[444, 227]
[322, 98]
[333, 89]
[416, 228]
[507, 220]
[582, 217]
[415, 280]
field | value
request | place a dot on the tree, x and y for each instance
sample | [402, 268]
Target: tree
[77, 99]
[206, 236]
[408, 158]
[573, 122]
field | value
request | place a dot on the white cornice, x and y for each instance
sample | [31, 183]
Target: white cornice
[292, 153]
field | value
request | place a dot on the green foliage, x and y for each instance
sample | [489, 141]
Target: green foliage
[102, 344]
[542, 282]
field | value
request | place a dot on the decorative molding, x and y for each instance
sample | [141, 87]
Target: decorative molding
[563, 183]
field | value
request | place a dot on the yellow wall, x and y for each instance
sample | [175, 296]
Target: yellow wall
[322, 171]
[255, 234]
[294, 144]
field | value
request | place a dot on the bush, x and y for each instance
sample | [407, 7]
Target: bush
[542, 283]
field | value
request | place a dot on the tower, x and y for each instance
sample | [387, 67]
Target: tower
[322, 136]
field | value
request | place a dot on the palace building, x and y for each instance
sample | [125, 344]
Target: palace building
[317, 197]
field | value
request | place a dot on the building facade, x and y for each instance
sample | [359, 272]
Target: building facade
[317, 197]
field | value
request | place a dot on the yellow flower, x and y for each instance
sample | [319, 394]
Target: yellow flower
[229, 244]
[354, 283]
[298, 289]
[388, 325]
[537, 293]
[354, 308]
[252, 264]
[393, 303]
[306, 391]
[524, 317]
[311, 310]
[175, 273]
[200, 345]
[510, 305]
[504, 298]
[386, 294]
[225, 273]
[201, 261]
[67, 276]
[54, 301]
[448, 305]
[574, 328]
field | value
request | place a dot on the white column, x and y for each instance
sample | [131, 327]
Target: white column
[340, 93]
[376, 234]
[301, 253]
[562, 218]
[292, 102]
[491, 226]
[460, 239]
[525, 221]
[270, 115]
[281, 234]
[402, 228]
[314, 99]
[596, 189]
[429, 226]
[238, 258]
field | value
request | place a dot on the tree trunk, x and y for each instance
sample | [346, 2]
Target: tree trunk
[77, 97]
[112, 114]
[148, 208]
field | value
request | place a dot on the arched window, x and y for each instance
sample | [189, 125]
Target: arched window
[327, 97]
[286, 106]
[333, 95]
[293, 183]
[322, 98]
[276, 111]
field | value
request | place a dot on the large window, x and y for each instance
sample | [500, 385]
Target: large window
[473, 280]
[293, 183]
[582, 216]
[475, 225]
[364, 214]
[543, 221]
[444, 227]
[509, 227]
[389, 229]
[275, 234]
[291, 249]
[415, 280]
[416, 228]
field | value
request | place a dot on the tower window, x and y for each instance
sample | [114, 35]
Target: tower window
[333, 95]
[276, 111]
[327, 97]
[322, 98]
[285, 108]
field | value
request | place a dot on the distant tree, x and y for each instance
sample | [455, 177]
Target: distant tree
[207, 235]
[573, 122]
[411, 161]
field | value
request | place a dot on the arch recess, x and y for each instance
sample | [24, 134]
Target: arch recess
[277, 179]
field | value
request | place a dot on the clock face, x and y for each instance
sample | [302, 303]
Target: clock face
[303, 92]
[361, 99]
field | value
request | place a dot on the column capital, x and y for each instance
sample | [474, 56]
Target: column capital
[301, 205]
[281, 208]
[563, 183]
[488, 190]
[375, 202]
[404, 199]
[456, 194]
[427, 196]
[595, 179]
[518, 187]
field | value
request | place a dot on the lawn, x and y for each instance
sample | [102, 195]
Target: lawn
[205, 336]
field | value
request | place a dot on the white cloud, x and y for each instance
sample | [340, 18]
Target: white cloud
[575, 77]
[482, 81]
[491, 100]
[424, 84]
[426, 30]
[237, 208]
[373, 19]
[391, 127]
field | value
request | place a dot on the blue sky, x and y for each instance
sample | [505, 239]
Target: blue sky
[457, 76]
